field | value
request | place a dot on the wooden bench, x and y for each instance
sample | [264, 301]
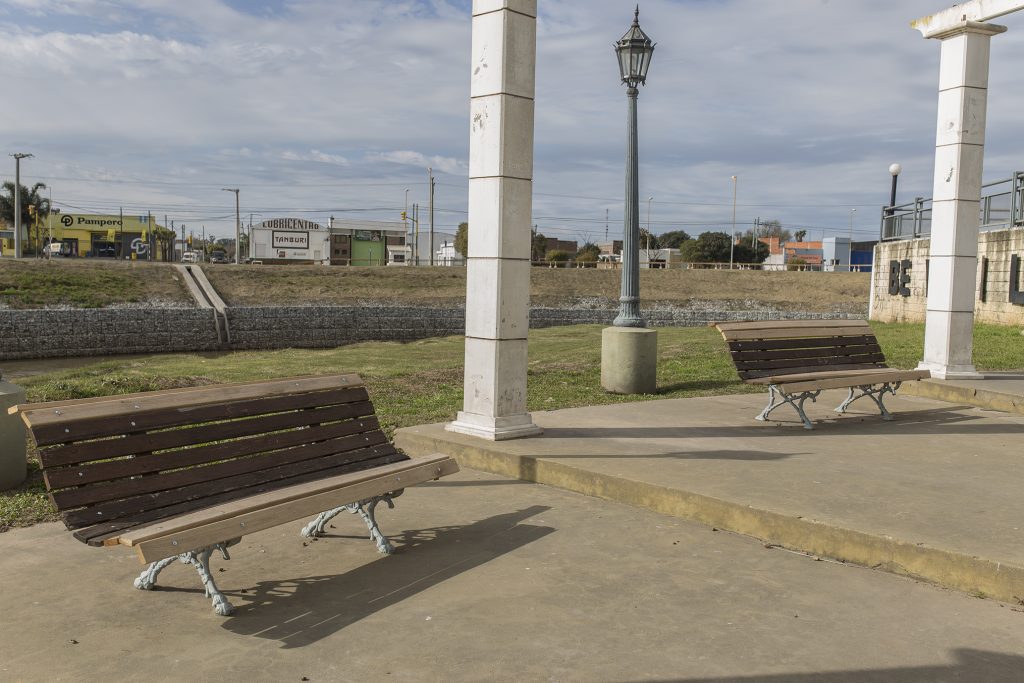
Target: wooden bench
[179, 474]
[798, 359]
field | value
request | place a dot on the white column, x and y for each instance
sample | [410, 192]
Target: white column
[500, 207]
[959, 157]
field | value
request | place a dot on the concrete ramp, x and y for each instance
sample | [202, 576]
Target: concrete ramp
[206, 297]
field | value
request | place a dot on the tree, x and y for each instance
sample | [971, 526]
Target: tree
[40, 205]
[462, 239]
[709, 247]
[772, 228]
[800, 235]
[556, 257]
[646, 243]
[672, 239]
[539, 246]
[588, 253]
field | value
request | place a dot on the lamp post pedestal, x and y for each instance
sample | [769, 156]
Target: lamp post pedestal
[629, 360]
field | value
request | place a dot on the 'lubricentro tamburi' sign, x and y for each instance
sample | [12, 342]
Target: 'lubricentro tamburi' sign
[291, 240]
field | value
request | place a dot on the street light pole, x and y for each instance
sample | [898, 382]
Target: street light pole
[18, 156]
[732, 237]
[852, 211]
[894, 171]
[238, 225]
[634, 52]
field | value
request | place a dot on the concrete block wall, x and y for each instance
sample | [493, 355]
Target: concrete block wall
[100, 332]
[997, 246]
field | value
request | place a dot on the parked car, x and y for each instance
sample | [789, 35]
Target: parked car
[190, 257]
[219, 257]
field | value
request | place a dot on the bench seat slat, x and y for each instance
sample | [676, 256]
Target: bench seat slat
[133, 444]
[802, 343]
[845, 368]
[181, 479]
[114, 406]
[851, 380]
[330, 456]
[94, 535]
[93, 472]
[263, 512]
[184, 413]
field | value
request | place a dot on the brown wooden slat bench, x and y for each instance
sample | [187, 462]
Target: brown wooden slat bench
[178, 474]
[798, 359]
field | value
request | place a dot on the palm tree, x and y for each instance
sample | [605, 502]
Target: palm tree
[29, 198]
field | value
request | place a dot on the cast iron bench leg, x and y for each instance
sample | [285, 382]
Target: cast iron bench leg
[365, 508]
[200, 559]
[876, 395]
[795, 400]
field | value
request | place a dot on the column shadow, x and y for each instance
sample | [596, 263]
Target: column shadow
[300, 611]
[971, 665]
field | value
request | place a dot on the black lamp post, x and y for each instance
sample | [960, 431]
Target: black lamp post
[634, 51]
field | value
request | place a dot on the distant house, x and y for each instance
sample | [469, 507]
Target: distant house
[555, 244]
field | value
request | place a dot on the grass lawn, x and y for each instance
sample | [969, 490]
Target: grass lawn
[75, 283]
[421, 382]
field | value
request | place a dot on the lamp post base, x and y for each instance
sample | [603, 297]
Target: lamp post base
[629, 360]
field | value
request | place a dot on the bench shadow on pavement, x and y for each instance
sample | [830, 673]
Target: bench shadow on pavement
[933, 421]
[971, 665]
[300, 611]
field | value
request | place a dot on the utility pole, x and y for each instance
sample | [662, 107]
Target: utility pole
[151, 242]
[606, 227]
[416, 234]
[120, 238]
[430, 177]
[238, 225]
[169, 257]
[732, 238]
[753, 238]
[49, 220]
[18, 156]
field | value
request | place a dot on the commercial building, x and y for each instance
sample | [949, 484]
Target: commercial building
[369, 243]
[340, 243]
[88, 235]
[290, 240]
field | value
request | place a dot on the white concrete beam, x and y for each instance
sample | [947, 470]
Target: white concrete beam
[975, 11]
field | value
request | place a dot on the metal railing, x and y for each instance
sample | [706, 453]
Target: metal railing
[1002, 207]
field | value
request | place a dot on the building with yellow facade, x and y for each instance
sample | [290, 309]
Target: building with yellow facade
[86, 235]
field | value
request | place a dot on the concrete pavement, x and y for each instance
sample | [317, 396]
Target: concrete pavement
[935, 493]
[495, 580]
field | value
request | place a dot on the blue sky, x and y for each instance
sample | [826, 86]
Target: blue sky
[324, 107]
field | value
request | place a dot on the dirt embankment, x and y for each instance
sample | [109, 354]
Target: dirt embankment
[91, 284]
[591, 288]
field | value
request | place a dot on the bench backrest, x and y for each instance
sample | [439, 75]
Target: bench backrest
[788, 347]
[116, 462]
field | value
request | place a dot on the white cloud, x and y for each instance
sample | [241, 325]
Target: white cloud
[410, 158]
[342, 105]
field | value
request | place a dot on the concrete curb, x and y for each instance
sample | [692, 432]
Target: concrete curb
[947, 568]
[951, 393]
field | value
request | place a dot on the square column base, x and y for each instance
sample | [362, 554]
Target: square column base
[494, 428]
[951, 371]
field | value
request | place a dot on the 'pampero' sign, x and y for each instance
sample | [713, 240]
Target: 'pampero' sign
[290, 240]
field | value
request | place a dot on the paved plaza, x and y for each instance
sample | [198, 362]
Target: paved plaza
[494, 580]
